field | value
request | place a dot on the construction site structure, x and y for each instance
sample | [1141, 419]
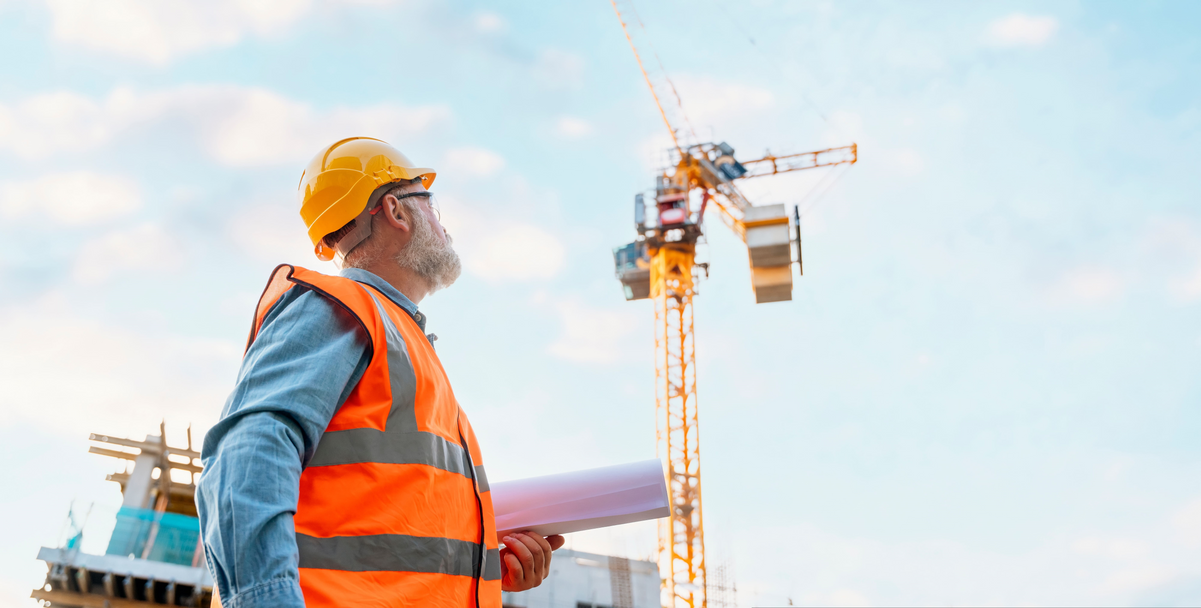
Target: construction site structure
[154, 554]
[660, 264]
[722, 590]
[588, 580]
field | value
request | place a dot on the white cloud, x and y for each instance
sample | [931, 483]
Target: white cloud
[79, 197]
[488, 22]
[844, 125]
[1176, 246]
[590, 334]
[260, 127]
[709, 101]
[1087, 285]
[157, 31]
[558, 69]
[274, 233]
[240, 126]
[41, 124]
[1187, 523]
[73, 375]
[571, 127]
[1187, 288]
[474, 162]
[1111, 548]
[146, 247]
[1138, 578]
[907, 161]
[1020, 29]
[512, 250]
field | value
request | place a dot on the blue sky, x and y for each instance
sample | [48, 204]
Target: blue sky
[983, 392]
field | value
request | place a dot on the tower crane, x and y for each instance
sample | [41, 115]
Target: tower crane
[660, 265]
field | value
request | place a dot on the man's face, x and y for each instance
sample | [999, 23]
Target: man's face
[428, 252]
[428, 211]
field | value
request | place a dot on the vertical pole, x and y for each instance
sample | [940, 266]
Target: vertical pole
[800, 261]
[681, 537]
[198, 553]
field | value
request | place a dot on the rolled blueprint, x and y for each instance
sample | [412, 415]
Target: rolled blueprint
[582, 500]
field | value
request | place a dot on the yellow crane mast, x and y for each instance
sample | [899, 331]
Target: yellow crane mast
[660, 265]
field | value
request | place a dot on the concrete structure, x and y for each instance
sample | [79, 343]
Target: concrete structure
[79, 580]
[588, 580]
[154, 555]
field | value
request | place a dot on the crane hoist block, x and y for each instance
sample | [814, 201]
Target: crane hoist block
[768, 240]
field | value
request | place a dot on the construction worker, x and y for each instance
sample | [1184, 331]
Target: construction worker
[343, 471]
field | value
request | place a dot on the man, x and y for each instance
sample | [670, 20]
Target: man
[342, 471]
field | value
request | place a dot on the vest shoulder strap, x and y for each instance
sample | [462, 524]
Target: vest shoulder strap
[344, 292]
[277, 285]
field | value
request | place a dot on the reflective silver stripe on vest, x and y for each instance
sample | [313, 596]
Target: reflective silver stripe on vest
[400, 442]
[492, 565]
[396, 553]
[481, 477]
[354, 446]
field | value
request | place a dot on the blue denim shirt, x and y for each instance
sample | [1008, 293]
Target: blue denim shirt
[307, 357]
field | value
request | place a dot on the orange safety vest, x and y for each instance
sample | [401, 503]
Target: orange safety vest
[394, 506]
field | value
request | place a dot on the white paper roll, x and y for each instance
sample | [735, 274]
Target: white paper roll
[581, 500]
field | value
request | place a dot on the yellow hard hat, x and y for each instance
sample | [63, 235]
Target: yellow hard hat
[338, 183]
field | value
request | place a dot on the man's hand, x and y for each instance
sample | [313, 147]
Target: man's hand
[525, 560]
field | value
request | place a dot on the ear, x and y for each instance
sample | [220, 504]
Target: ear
[393, 214]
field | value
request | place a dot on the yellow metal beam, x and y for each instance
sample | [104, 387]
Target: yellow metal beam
[773, 165]
[682, 535]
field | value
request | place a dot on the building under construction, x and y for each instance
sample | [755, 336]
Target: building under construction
[153, 555]
[588, 580]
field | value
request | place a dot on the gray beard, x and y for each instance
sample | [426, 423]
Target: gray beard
[430, 258]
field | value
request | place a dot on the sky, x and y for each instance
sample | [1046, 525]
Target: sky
[984, 390]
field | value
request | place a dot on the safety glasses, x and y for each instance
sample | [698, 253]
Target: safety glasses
[429, 200]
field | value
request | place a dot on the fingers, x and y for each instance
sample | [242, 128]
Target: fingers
[527, 558]
[513, 571]
[542, 555]
[524, 551]
[538, 554]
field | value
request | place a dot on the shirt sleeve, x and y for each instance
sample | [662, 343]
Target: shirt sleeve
[307, 358]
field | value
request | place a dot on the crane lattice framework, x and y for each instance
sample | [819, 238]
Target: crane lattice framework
[682, 535]
[661, 265]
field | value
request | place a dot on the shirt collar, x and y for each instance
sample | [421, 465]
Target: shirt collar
[386, 288]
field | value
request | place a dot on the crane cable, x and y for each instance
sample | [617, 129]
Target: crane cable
[774, 61]
[821, 195]
[817, 193]
[646, 76]
[671, 85]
